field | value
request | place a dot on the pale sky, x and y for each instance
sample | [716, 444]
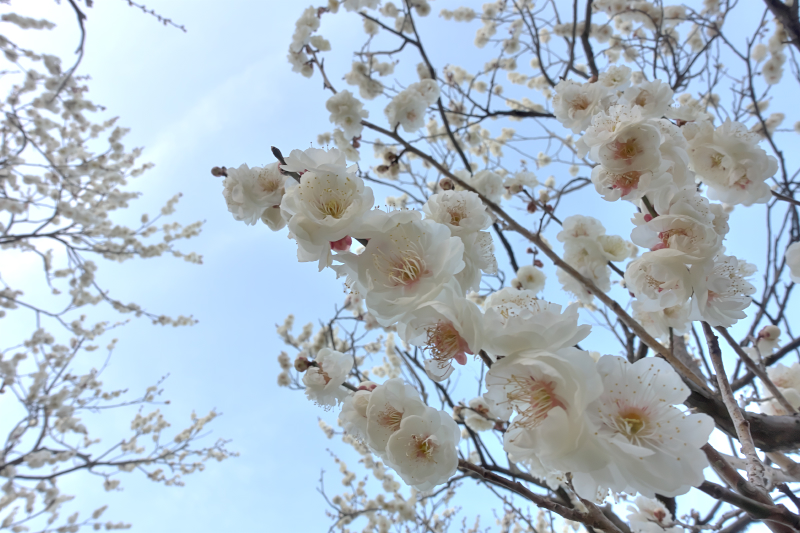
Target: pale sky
[221, 94]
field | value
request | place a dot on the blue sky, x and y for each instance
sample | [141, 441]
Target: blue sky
[221, 94]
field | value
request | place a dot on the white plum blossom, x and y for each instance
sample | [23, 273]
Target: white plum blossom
[326, 205]
[478, 258]
[698, 241]
[787, 379]
[630, 185]
[346, 112]
[635, 147]
[516, 320]
[721, 290]
[486, 182]
[407, 109]
[423, 449]
[353, 416]
[729, 160]
[448, 328]
[659, 279]
[461, 211]
[575, 104]
[658, 323]
[549, 392]
[616, 77]
[651, 446]
[650, 516]
[793, 261]
[323, 380]
[530, 278]
[517, 182]
[405, 262]
[478, 417]
[357, 5]
[580, 226]
[388, 405]
[249, 192]
[654, 97]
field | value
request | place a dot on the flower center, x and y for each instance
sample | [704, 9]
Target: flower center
[626, 182]
[390, 418]
[422, 447]
[268, 183]
[632, 422]
[404, 267]
[333, 203]
[581, 103]
[716, 160]
[626, 150]
[457, 214]
[533, 398]
[642, 98]
[444, 342]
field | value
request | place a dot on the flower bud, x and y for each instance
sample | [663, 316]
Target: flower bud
[342, 245]
[446, 184]
[367, 386]
[531, 207]
[770, 333]
[301, 364]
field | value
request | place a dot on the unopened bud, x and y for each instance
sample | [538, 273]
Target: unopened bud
[531, 207]
[446, 184]
[219, 172]
[648, 217]
[537, 263]
[367, 386]
[517, 284]
[301, 364]
[342, 245]
[770, 333]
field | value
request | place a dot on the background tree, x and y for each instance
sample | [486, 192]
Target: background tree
[64, 183]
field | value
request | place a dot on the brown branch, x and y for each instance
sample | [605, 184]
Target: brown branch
[755, 369]
[594, 518]
[755, 468]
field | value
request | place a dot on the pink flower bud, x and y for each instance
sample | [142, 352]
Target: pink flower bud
[301, 364]
[648, 217]
[367, 386]
[342, 245]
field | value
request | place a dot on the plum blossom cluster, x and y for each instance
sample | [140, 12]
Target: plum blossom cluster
[609, 423]
[653, 155]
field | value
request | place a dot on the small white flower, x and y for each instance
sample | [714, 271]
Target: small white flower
[729, 160]
[447, 328]
[461, 211]
[478, 417]
[721, 290]
[574, 103]
[249, 192]
[793, 261]
[423, 450]
[405, 263]
[549, 392]
[347, 112]
[324, 381]
[659, 279]
[531, 278]
[650, 516]
[388, 405]
[515, 320]
[326, 205]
